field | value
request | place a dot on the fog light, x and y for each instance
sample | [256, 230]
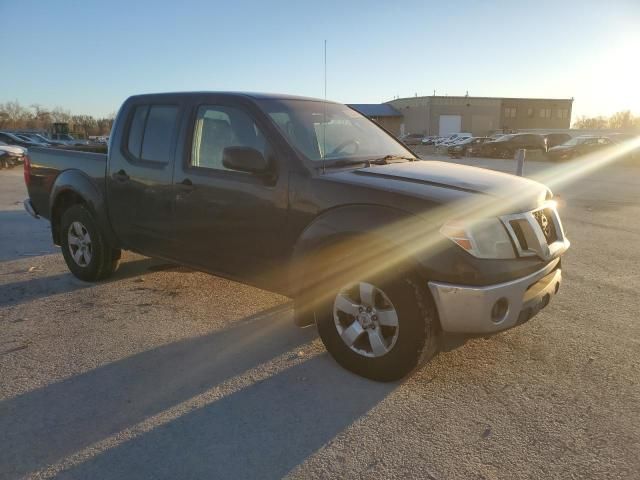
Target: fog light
[499, 310]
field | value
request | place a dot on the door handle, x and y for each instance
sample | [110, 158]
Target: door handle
[121, 176]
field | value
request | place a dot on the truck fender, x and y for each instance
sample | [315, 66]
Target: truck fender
[72, 187]
[352, 227]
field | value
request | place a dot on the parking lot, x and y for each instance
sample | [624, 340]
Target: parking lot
[162, 372]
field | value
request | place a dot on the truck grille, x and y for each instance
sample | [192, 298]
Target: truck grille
[544, 218]
[538, 232]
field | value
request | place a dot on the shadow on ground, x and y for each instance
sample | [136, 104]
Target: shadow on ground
[23, 291]
[263, 431]
[23, 236]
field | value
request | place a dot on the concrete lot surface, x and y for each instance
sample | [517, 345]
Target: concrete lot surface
[167, 373]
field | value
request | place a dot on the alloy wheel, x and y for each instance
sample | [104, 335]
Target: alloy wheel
[79, 242]
[366, 319]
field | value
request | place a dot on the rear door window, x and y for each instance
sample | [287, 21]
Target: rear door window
[159, 133]
[152, 133]
[136, 130]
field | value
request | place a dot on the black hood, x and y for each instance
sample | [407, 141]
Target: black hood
[443, 181]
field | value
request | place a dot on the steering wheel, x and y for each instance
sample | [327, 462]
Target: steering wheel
[343, 145]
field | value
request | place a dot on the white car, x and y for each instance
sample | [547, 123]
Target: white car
[13, 149]
[11, 155]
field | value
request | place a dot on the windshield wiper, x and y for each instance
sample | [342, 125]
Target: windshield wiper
[390, 158]
[345, 163]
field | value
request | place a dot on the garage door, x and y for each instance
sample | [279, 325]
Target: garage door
[450, 124]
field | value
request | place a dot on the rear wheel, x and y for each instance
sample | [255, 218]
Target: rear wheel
[379, 328]
[84, 247]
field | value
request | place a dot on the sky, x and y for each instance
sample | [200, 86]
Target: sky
[88, 56]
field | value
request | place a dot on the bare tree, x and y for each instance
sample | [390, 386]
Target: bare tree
[592, 123]
[621, 120]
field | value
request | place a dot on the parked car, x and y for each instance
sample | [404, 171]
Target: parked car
[13, 139]
[555, 139]
[66, 139]
[622, 138]
[37, 141]
[451, 141]
[578, 146]
[36, 137]
[335, 220]
[465, 147]
[412, 139]
[496, 136]
[507, 145]
[11, 154]
[430, 140]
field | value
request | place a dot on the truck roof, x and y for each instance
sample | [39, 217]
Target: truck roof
[252, 95]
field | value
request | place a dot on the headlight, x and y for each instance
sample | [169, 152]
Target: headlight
[486, 238]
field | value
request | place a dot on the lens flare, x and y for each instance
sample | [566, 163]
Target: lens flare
[398, 247]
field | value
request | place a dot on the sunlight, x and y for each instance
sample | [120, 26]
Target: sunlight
[614, 70]
[399, 245]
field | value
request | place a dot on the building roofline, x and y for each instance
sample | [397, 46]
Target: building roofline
[483, 98]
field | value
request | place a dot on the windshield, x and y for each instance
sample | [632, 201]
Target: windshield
[325, 131]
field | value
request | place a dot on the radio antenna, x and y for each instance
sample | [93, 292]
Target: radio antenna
[324, 119]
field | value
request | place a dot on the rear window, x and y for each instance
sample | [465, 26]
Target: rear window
[136, 129]
[152, 133]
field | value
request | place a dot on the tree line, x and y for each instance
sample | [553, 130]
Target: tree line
[14, 116]
[619, 120]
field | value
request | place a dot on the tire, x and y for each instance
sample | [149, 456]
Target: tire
[416, 335]
[84, 247]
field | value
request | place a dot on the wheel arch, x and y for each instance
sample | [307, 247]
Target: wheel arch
[73, 187]
[332, 235]
[348, 221]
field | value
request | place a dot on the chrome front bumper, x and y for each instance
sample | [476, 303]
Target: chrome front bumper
[477, 310]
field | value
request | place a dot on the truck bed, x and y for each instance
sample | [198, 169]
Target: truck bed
[48, 163]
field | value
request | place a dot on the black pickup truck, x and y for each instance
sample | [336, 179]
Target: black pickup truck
[385, 252]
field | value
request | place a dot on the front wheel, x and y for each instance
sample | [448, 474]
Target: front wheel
[378, 328]
[84, 247]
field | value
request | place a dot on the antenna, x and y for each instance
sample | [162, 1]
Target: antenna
[325, 70]
[324, 116]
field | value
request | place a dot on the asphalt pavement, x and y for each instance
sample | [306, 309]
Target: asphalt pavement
[162, 372]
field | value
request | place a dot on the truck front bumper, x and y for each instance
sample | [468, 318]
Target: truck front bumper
[478, 310]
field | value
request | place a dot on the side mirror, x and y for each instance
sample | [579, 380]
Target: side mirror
[244, 159]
